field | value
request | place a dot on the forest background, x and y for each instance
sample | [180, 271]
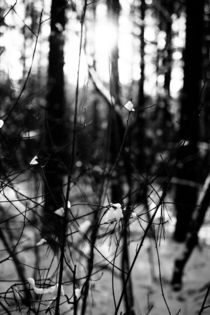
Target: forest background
[104, 128]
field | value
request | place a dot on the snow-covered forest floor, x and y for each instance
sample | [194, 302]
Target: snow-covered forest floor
[153, 293]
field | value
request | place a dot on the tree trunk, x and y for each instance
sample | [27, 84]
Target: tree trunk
[168, 60]
[113, 12]
[116, 130]
[116, 136]
[192, 236]
[125, 265]
[141, 98]
[141, 194]
[186, 196]
[55, 129]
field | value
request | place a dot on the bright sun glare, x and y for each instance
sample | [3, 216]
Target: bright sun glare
[101, 42]
[106, 36]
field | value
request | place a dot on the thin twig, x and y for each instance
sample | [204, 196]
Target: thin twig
[162, 197]
[5, 308]
[71, 165]
[160, 276]
[10, 9]
[204, 301]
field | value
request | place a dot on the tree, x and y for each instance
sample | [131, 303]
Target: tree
[192, 235]
[118, 155]
[113, 13]
[56, 139]
[116, 125]
[140, 121]
[187, 154]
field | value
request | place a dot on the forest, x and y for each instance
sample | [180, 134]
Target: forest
[105, 157]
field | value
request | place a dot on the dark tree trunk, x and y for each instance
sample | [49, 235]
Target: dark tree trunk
[192, 236]
[116, 138]
[116, 125]
[192, 70]
[23, 57]
[186, 195]
[141, 98]
[55, 130]
[125, 265]
[141, 194]
[168, 59]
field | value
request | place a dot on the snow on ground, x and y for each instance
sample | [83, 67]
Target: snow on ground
[151, 296]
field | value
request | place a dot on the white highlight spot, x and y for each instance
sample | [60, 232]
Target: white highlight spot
[69, 205]
[114, 213]
[60, 212]
[77, 293]
[41, 242]
[34, 161]
[1, 123]
[129, 106]
[50, 290]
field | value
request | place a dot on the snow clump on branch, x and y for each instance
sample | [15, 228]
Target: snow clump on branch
[50, 290]
[129, 106]
[1, 123]
[114, 213]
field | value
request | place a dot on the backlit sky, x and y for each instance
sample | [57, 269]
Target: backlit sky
[103, 38]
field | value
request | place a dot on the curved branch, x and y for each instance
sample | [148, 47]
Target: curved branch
[102, 90]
